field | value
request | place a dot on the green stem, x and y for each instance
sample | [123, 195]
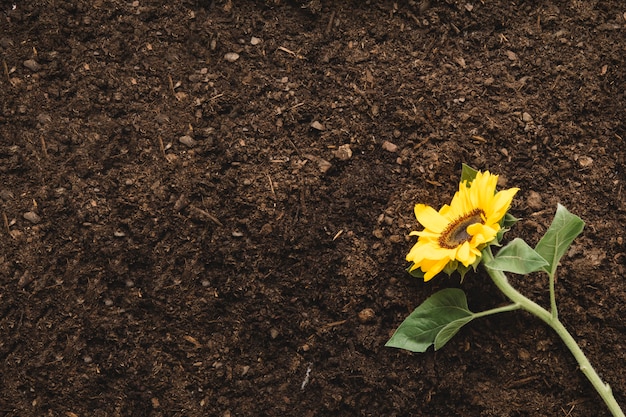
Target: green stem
[501, 281]
[553, 309]
[510, 307]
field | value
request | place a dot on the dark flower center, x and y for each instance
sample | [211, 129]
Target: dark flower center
[456, 232]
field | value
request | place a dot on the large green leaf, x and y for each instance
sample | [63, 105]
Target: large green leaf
[517, 257]
[450, 330]
[563, 230]
[434, 322]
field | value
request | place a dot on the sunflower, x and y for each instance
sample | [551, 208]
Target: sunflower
[457, 233]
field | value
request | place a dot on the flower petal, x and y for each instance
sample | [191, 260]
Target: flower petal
[430, 218]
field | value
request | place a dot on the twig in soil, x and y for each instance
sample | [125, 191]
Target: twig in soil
[294, 146]
[479, 138]
[44, 148]
[522, 382]
[305, 381]
[334, 323]
[6, 223]
[422, 143]
[171, 84]
[568, 413]
[290, 52]
[162, 147]
[6, 71]
[271, 186]
[295, 106]
[203, 213]
[331, 20]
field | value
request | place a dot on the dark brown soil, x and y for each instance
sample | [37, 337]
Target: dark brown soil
[186, 234]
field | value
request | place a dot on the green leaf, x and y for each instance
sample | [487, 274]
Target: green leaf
[517, 257]
[435, 321]
[450, 330]
[468, 173]
[508, 221]
[417, 272]
[561, 233]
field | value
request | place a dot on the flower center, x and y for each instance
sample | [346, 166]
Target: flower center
[456, 232]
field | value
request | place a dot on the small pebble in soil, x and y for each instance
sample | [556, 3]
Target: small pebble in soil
[390, 147]
[395, 238]
[255, 41]
[32, 65]
[274, 333]
[32, 217]
[527, 117]
[317, 126]
[231, 56]
[366, 315]
[187, 141]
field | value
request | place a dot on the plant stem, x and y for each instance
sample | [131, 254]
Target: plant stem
[501, 281]
[510, 307]
[553, 309]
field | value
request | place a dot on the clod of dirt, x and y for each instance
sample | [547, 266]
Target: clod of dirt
[390, 147]
[32, 217]
[366, 315]
[323, 165]
[343, 153]
[585, 161]
[534, 201]
[44, 118]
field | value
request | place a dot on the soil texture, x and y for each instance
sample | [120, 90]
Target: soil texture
[206, 205]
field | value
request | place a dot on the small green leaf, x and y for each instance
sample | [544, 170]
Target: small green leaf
[416, 273]
[433, 322]
[468, 173]
[508, 221]
[517, 257]
[561, 233]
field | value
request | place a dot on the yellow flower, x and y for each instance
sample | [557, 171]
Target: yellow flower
[458, 232]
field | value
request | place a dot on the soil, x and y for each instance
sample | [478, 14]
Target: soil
[206, 204]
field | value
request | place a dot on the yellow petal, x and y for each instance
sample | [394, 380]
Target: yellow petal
[465, 255]
[434, 269]
[501, 203]
[482, 234]
[430, 219]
